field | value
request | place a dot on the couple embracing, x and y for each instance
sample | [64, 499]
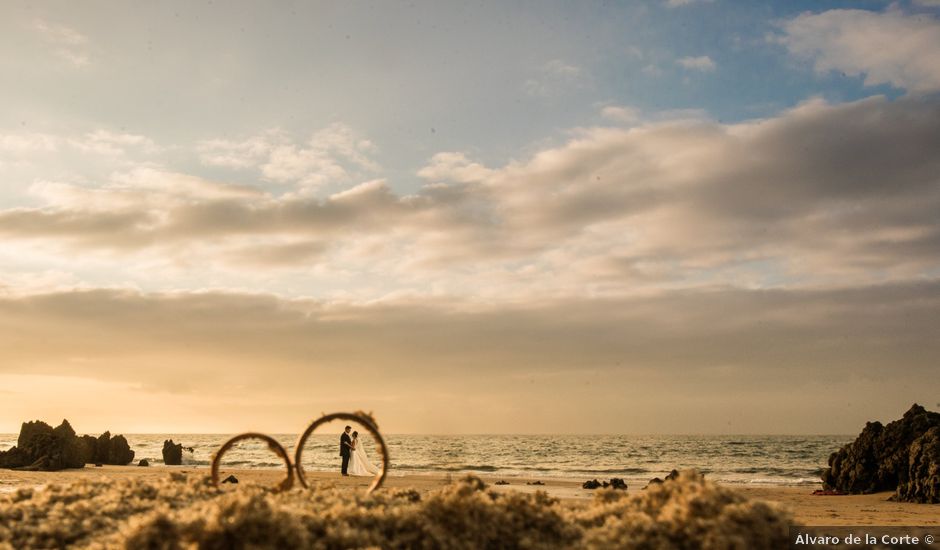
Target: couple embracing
[355, 460]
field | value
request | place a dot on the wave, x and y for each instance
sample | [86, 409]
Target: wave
[740, 459]
[779, 472]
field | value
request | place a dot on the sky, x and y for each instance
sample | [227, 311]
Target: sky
[672, 216]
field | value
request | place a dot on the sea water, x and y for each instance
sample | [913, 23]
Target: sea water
[758, 459]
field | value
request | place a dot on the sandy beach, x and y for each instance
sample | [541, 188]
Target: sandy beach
[805, 508]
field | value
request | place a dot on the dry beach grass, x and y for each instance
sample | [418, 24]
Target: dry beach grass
[184, 511]
[167, 507]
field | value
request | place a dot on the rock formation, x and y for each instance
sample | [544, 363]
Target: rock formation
[102, 447]
[119, 452]
[617, 483]
[42, 447]
[591, 484]
[108, 450]
[172, 453]
[89, 446]
[903, 456]
[922, 483]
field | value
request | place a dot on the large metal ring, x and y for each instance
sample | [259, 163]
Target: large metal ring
[366, 421]
[276, 447]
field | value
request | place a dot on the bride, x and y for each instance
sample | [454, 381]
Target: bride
[359, 464]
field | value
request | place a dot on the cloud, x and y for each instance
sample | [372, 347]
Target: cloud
[330, 155]
[555, 76]
[821, 194]
[104, 142]
[894, 48]
[701, 63]
[788, 350]
[27, 143]
[619, 113]
[67, 43]
[680, 3]
[454, 167]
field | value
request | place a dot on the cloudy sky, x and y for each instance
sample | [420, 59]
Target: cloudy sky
[661, 217]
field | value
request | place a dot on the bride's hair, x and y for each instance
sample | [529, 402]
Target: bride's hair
[355, 434]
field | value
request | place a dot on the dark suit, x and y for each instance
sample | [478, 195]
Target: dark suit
[344, 450]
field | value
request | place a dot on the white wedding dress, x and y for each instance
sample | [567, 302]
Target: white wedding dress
[359, 464]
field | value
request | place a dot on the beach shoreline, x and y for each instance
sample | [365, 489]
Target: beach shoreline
[806, 508]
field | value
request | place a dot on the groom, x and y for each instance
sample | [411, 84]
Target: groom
[345, 444]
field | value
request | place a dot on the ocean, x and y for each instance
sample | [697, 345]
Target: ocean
[758, 459]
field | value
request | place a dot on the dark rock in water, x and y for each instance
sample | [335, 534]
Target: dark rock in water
[143, 462]
[617, 483]
[89, 446]
[672, 475]
[41, 447]
[536, 482]
[102, 445]
[119, 452]
[172, 453]
[591, 484]
[98, 465]
[903, 456]
[105, 449]
[501, 482]
[655, 481]
[230, 479]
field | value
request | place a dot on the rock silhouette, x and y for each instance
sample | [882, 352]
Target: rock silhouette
[102, 446]
[172, 453]
[923, 472]
[615, 483]
[591, 484]
[42, 447]
[143, 462]
[119, 452]
[903, 456]
[110, 450]
[89, 447]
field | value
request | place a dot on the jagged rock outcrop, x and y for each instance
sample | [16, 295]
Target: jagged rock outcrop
[42, 447]
[119, 451]
[89, 446]
[922, 483]
[108, 450]
[903, 456]
[615, 483]
[172, 453]
[102, 447]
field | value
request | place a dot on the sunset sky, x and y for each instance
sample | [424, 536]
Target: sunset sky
[649, 217]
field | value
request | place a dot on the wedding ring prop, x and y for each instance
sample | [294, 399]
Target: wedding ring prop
[275, 447]
[363, 419]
